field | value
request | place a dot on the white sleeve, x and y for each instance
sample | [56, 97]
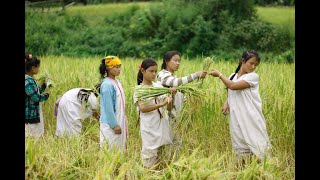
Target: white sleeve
[93, 101]
[135, 99]
[252, 79]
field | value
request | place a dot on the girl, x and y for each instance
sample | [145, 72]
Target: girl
[73, 107]
[171, 63]
[33, 96]
[154, 125]
[247, 123]
[113, 121]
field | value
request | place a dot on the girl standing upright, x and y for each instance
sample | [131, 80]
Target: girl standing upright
[34, 94]
[171, 63]
[247, 123]
[113, 121]
[154, 124]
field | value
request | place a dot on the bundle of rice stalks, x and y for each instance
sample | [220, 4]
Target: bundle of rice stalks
[47, 77]
[151, 92]
[207, 62]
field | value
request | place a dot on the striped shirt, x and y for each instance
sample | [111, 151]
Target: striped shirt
[168, 80]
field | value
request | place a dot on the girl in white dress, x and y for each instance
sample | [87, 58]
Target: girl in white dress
[247, 123]
[154, 124]
[73, 107]
[113, 121]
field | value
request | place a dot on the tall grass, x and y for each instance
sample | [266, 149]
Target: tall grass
[279, 15]
[206, 146]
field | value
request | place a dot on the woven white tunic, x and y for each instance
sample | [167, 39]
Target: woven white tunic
[155, 131]
[71, 112]
[247, 123]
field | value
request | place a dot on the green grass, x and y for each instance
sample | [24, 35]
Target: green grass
[95, 14]
[206, 148]
[279, 15]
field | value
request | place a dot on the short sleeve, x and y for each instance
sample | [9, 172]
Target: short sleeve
[252, 79]
[135, 99]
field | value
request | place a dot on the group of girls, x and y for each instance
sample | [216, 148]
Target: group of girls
[247, 123]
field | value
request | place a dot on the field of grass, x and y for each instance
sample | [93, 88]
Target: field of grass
[280, 15]
[206, 147]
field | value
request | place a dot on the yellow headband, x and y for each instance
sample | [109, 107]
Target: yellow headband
[112, 61]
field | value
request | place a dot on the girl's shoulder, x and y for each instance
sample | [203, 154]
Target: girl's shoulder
[164, 72]
[252, 75]
[156, 84]
[29, 79]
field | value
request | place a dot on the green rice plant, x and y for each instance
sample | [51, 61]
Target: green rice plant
[152, 92]
[48, 77]
[206, 151]
[207, 62]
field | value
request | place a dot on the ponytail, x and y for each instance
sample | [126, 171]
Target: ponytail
[139, 77]
[30, 61]
[103, 69]
[237, 70]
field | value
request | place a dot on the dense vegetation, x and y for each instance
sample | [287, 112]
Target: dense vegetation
[206, 27]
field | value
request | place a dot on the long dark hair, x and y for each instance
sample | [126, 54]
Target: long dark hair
[145, 65]
[167, 56]
[103, 68]
[246, 56]
[30, 61]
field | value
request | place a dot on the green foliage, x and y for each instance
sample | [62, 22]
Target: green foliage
[191, 27]
[255, 34]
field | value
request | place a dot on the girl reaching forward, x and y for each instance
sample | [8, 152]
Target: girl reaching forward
[247, 123]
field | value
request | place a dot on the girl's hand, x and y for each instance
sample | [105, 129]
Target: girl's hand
[201, 74]
[166, 101]
[169, 100]
[173, 91]
[214, 73]
[47, 90]
[117, 130]
[225, 108]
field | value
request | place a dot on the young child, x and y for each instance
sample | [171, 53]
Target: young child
[247, 123]
[34, 94]
[113, 121]
[154, 124]
[171, 63]
[73, 107]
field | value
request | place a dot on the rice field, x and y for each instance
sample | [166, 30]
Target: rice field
[206, 147]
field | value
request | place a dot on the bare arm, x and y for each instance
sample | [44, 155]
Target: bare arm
[225, 108]
[147, 108]
[230, 84]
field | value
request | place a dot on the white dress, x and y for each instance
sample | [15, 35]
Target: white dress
[247, 123]
[71, 112]
[37, 129]
[107, 110]
[155, 131]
